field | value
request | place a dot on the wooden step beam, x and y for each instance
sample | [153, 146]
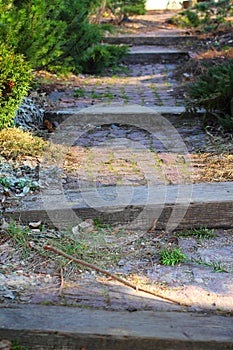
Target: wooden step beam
[58, 327]
[172, 206]
[156, 40]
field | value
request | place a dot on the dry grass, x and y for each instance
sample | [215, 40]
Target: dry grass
[104, 246]
[214, 54]
[213, 167]
[15, 143]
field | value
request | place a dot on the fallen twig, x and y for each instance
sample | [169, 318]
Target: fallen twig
[62, 282]
[113, 276]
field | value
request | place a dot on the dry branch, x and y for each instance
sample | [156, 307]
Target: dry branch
[109, 274]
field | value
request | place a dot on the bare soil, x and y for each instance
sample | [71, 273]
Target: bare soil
[203, 281]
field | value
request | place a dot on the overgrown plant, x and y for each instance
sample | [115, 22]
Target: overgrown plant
[21, 185]
[207, 16]
[121, 9]
[19, 235]
[213, 91]
[15, 142]
[99, 57]
[55, 35]
[33, 28]
[15, 77]
[200, 233]
[171, 256]
[79, 35]
[16, 346]
[215, 265]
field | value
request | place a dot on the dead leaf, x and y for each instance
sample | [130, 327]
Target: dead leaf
[48, 125]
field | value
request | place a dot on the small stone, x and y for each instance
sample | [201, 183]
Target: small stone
[75, 230]
[36, 230]
[198, 280]
[4, 224]
[35, 224]
[121, 262]
[87, 224]
[9, 295]
[131, 309]
[5, 345]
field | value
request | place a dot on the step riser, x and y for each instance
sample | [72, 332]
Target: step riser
[42, 340]
[152, 40]
[212, 215]
[80, 118]
[151, 58]
[175, 206]
[69, 328]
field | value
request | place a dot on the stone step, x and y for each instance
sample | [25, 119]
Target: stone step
[152, 54]
[59, 327]
[156, 40]
[114, 111]
[74, 121]
[138, 206]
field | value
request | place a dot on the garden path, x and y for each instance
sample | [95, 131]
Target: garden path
[116, 163]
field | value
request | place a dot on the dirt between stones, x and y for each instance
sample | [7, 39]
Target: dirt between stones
[203, 281]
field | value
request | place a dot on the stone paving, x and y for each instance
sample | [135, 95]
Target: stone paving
[143, 85]
[146, 85]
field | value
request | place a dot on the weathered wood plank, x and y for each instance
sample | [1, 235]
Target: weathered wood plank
[186, 206]
[155, 57]
[159, 40]
[52, 327]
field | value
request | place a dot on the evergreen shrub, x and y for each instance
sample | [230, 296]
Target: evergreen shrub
[100, 57]
[15, 77]
[213, 91]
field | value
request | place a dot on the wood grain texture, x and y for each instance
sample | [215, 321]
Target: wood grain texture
[150, 40]
[208, 205]
[54, 327]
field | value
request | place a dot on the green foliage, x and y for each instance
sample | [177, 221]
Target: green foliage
[205, 15]
[33, 28]
[200, 233]
[14, 83]
[99, 57]
[72, 248]
[56, 35]
[123, 8]
[79, 93]
[213, 13]
[21, 185]
[19, 234]
[215, 265]
[79, 36]
[99, 225]
[213, 91]
[15, 346]
[188, 18]
[171, 256]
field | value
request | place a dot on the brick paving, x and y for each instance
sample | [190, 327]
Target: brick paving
[111, 155]
[147, 85]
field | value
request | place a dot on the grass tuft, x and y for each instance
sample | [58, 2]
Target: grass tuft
[171, 256]
[200, 233]
[15, 143]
